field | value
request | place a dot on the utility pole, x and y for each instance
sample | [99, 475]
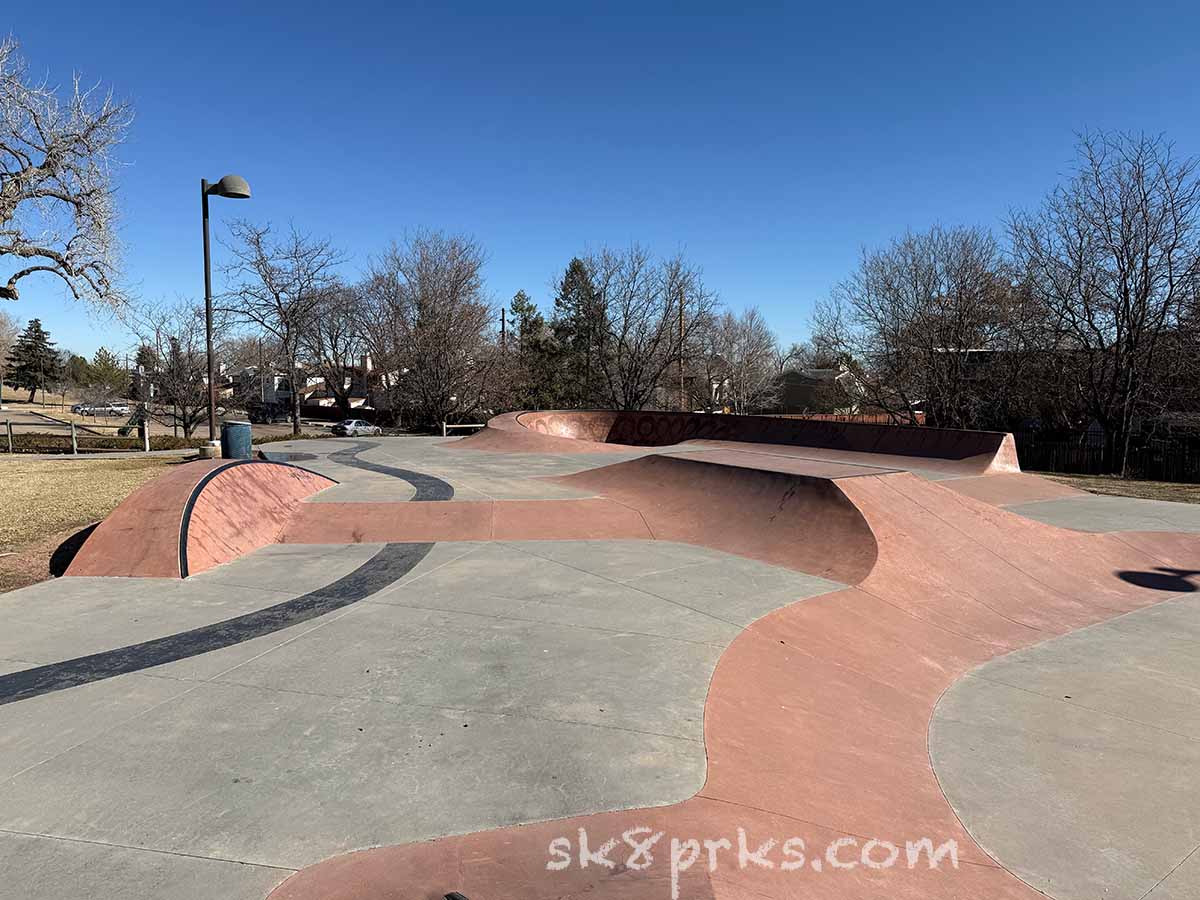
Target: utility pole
[503, 330]
[682, 405]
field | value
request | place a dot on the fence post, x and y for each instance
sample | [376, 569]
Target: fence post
[443, 429]
[8, 428]
[74, 441]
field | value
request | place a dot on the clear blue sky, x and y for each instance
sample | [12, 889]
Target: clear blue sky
[768, 142]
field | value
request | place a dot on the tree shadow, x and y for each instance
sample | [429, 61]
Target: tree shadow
[1163, 579]
[61, 558]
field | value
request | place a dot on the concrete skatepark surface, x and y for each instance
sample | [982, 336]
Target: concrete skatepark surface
[459, 652]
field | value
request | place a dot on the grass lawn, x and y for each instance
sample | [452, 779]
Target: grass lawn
[16, 395]
[43, 502]
[1115, 486]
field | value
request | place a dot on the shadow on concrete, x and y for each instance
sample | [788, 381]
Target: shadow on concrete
[1163, 579]
[65, 552]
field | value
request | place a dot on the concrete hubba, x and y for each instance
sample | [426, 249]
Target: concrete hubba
[196, 516]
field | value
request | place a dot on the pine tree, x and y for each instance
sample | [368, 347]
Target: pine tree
[538, 373]
[32, 362]
[77, 370]
[106, 374]
[579, 328]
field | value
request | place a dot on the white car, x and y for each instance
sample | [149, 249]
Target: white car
[356, 428]
[102, 409]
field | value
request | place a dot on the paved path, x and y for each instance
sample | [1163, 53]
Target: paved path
[212, 736]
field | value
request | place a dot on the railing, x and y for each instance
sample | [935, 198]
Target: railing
[68, 434]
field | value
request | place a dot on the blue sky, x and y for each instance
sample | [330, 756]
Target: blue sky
[769, 142]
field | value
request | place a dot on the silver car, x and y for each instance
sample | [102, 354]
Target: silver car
[356, 428]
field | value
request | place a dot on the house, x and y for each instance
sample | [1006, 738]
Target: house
[834, 390]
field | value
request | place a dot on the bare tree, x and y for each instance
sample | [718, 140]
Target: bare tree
[428, 325]
[1114, 256]
[278, 287]
[741, 362]
[652, 310]
[334, 344]
[179, 377]
[57, 200]
[9, 329]
[917, 319]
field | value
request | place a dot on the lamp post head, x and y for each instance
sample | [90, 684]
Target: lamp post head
[232, 186]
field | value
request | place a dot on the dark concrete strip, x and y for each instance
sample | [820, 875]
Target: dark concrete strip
[286, 456]
[391, 563]
[428, 486]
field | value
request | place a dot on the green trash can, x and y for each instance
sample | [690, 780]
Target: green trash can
[235, 440]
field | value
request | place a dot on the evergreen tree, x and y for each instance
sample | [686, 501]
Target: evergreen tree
[106, 375]
[538, 371]
[580, 329]
[145, 364]
[146, 359]
[32, 362]
[77, 370]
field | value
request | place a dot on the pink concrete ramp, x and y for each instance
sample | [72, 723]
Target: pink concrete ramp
[594, 430]
[817, 716]
[789, 512]
[196, 516]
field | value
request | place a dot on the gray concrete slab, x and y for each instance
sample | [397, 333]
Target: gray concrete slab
[70, 617]
[1093, 512]
[1180, 883]
[499, 666]
[474, 474]
[619, 560]
[290, 568]
[488, 685]
[552, 594]
[1073, 762]
[286, 778]
[50, 868]
[41, 728]
[734, 589]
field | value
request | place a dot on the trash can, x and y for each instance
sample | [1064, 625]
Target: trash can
[235, 440]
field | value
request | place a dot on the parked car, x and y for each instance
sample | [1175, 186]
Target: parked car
[268, 413]
[355, 428]
[100, 409]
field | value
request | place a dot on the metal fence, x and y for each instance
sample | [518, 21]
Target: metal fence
[867, 418]
[1152, 459]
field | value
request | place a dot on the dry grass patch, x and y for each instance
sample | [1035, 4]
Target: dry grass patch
[1115, 486]
[44, 501]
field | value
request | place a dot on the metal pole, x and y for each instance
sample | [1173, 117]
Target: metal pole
[8, 427]
[74, 441]
[208, 317]
[682, 404]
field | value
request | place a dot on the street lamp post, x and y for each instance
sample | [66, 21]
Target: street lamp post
[234, 187]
